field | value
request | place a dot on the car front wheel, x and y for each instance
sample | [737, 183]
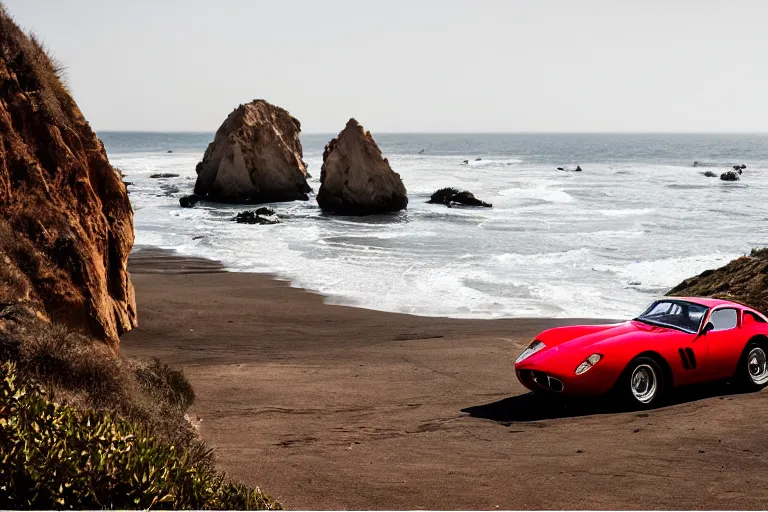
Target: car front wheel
[643, 383]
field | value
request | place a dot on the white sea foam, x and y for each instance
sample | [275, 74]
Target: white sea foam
[628, 212]
[539, 193]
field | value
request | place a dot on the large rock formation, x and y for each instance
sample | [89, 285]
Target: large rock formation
[66, 225]
[356, 179]
[256, 157]
[744, 280]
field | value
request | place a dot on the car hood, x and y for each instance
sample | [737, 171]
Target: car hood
[579, 338]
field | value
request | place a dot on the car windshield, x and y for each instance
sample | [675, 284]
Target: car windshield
[677, 314]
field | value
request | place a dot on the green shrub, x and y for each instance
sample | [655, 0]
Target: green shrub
[53, 456]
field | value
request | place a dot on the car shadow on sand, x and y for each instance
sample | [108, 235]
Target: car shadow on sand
[535, 407]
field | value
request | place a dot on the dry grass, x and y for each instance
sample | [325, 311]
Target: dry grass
[83, 373]
[41, 75]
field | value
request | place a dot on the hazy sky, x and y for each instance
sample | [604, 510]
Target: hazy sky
[414, 66]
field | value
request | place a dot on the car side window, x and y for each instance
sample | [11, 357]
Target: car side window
[724, 319]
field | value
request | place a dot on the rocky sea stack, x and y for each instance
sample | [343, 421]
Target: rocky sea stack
[66, 225]
[356, 179]
[256, 157]
[744, 280]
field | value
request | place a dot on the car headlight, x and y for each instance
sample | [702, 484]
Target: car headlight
[588, 363]
[532, 349]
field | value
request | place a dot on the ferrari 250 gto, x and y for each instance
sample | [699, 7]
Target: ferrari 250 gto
[675, 342]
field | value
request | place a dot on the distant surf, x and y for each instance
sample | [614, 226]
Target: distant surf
[601, 243]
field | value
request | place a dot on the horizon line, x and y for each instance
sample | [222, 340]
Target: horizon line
[196, 132]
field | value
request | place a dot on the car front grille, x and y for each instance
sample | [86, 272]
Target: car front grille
[542, 380]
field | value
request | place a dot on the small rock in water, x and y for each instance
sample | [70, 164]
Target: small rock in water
[450, 196]
[169, 151]
[170, 190]
[560, 169]
[634, 283]
[189, 201]
[465, 162]
[421, 151]
[578, 168]
[730, 176]
[164, 175]
[478, 159]
[710, 174]
[259, 216]
[739, 167]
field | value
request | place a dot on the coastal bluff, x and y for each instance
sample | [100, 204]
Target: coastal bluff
[66, 224]
[356, 179]
[255, 157]
[743, 280]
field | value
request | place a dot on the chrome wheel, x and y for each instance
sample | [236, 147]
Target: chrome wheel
[644, 383]
[757, 366]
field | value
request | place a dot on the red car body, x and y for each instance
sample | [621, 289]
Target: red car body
[689, 358]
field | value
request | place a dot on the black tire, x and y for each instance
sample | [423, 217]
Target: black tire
[642, 385]
[752, 370]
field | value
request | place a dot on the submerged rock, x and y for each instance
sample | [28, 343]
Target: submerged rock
[256, 157]
[259, 216]
[709, 174]
[730, 176]
[355, 179]
[66, 224]
[169, 190]
[164, 175]
[450, 196]
[744, 280]
[189, 201]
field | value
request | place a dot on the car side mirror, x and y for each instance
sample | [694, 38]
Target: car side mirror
[710, 326]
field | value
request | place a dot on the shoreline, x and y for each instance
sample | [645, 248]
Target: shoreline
[337, 407]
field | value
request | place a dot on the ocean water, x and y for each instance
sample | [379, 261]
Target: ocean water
[599, 243]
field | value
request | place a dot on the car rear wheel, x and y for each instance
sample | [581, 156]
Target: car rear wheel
[643, 383]
[753, 367]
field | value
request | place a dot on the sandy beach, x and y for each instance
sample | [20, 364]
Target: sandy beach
[338, 407]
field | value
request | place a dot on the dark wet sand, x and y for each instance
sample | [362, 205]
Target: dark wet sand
[337, 407]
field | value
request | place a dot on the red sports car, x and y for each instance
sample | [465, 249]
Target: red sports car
[675, 342]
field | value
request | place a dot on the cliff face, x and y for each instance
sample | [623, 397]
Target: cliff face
[744, 280]
[356, 179]
[66, 224]
[256, 157]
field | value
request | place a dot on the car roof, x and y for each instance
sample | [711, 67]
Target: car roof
[708, 302]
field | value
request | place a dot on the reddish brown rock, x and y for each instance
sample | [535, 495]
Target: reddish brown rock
[66, 225]
[256, 157]
[356, 179]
